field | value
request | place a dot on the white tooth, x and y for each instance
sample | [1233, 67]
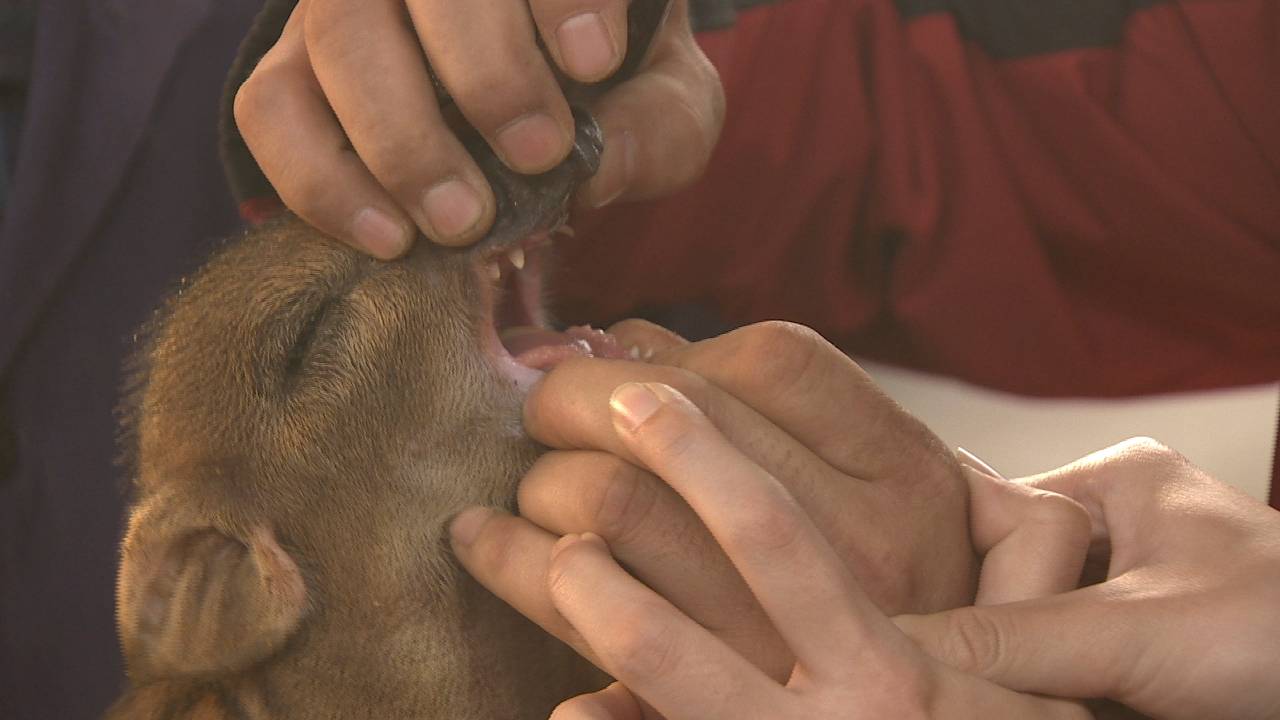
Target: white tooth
[517, 257]
[635, 352]
[494, 271]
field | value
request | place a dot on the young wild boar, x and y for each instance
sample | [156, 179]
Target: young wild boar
[307, 421]
[304, 424]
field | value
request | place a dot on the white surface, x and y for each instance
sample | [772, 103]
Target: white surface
[1229, 433]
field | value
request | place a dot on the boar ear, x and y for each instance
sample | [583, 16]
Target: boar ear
[196, 601]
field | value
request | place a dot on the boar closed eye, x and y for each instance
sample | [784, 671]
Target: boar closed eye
[305, 341]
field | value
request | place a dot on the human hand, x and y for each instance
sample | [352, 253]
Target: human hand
[350, 75]
[851, 661]
[884, 491]
[1185, 624]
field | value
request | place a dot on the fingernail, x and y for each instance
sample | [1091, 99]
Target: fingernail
[634, 403]
[977, 463]
[586, 46]
[378, 233]
[466, 526]
[617, 168]
[452, 208]
[532, 143]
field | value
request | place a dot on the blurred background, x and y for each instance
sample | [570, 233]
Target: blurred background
[1229, 433]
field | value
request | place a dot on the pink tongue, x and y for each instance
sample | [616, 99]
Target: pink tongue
[544, 349]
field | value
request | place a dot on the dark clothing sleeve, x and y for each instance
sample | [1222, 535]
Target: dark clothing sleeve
[117, 192]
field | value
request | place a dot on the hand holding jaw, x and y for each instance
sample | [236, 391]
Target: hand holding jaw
[716, 565]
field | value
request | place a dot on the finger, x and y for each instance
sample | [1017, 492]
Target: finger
[1128, 489]
[648, 527]
[791, 569]
[643, 339]
[293, 135]
[660, 654]
[958, 695]
[658, 538]
[511, 557]
[568, 409]
[1035, 541]
[370, 65]
[1081, 644]
[587, 38]
[615, 702]
[485, 54]
[660, 126]
[813, 391]
[1116, 481]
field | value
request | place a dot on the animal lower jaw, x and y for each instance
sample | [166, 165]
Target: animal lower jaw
[515, 330]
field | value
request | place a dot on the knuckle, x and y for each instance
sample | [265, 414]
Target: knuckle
[773, 526]
[973, 642]
[626, 502]
[252, 100]
[382, 148]
[694, 118]
[1139, 465]
[494, 95]
[907, 690]
[559, 580]
[327, 23]
[707, 87]
[563, 574]
[493, 551]
[877, 561]
[1148, 454]
[1061, 512]
[693, 386]
[305, 193]
[643, 647]
[780, 353]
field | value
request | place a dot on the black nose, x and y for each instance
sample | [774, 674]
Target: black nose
[530, 204]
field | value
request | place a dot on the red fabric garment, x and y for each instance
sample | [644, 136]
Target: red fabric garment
[1067, 198]
[1096, 221]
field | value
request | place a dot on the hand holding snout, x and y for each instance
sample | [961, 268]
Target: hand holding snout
[883, 491]
[343, 120]
[1183, 627]
[850, 659]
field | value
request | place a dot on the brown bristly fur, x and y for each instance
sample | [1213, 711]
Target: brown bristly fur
[305, 421]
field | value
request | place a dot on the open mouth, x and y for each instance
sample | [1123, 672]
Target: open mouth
[515, 329]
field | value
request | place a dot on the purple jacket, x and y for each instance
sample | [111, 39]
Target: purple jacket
[118, 191]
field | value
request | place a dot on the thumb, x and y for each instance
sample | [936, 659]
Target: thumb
[1081, 644]
[661, 125]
